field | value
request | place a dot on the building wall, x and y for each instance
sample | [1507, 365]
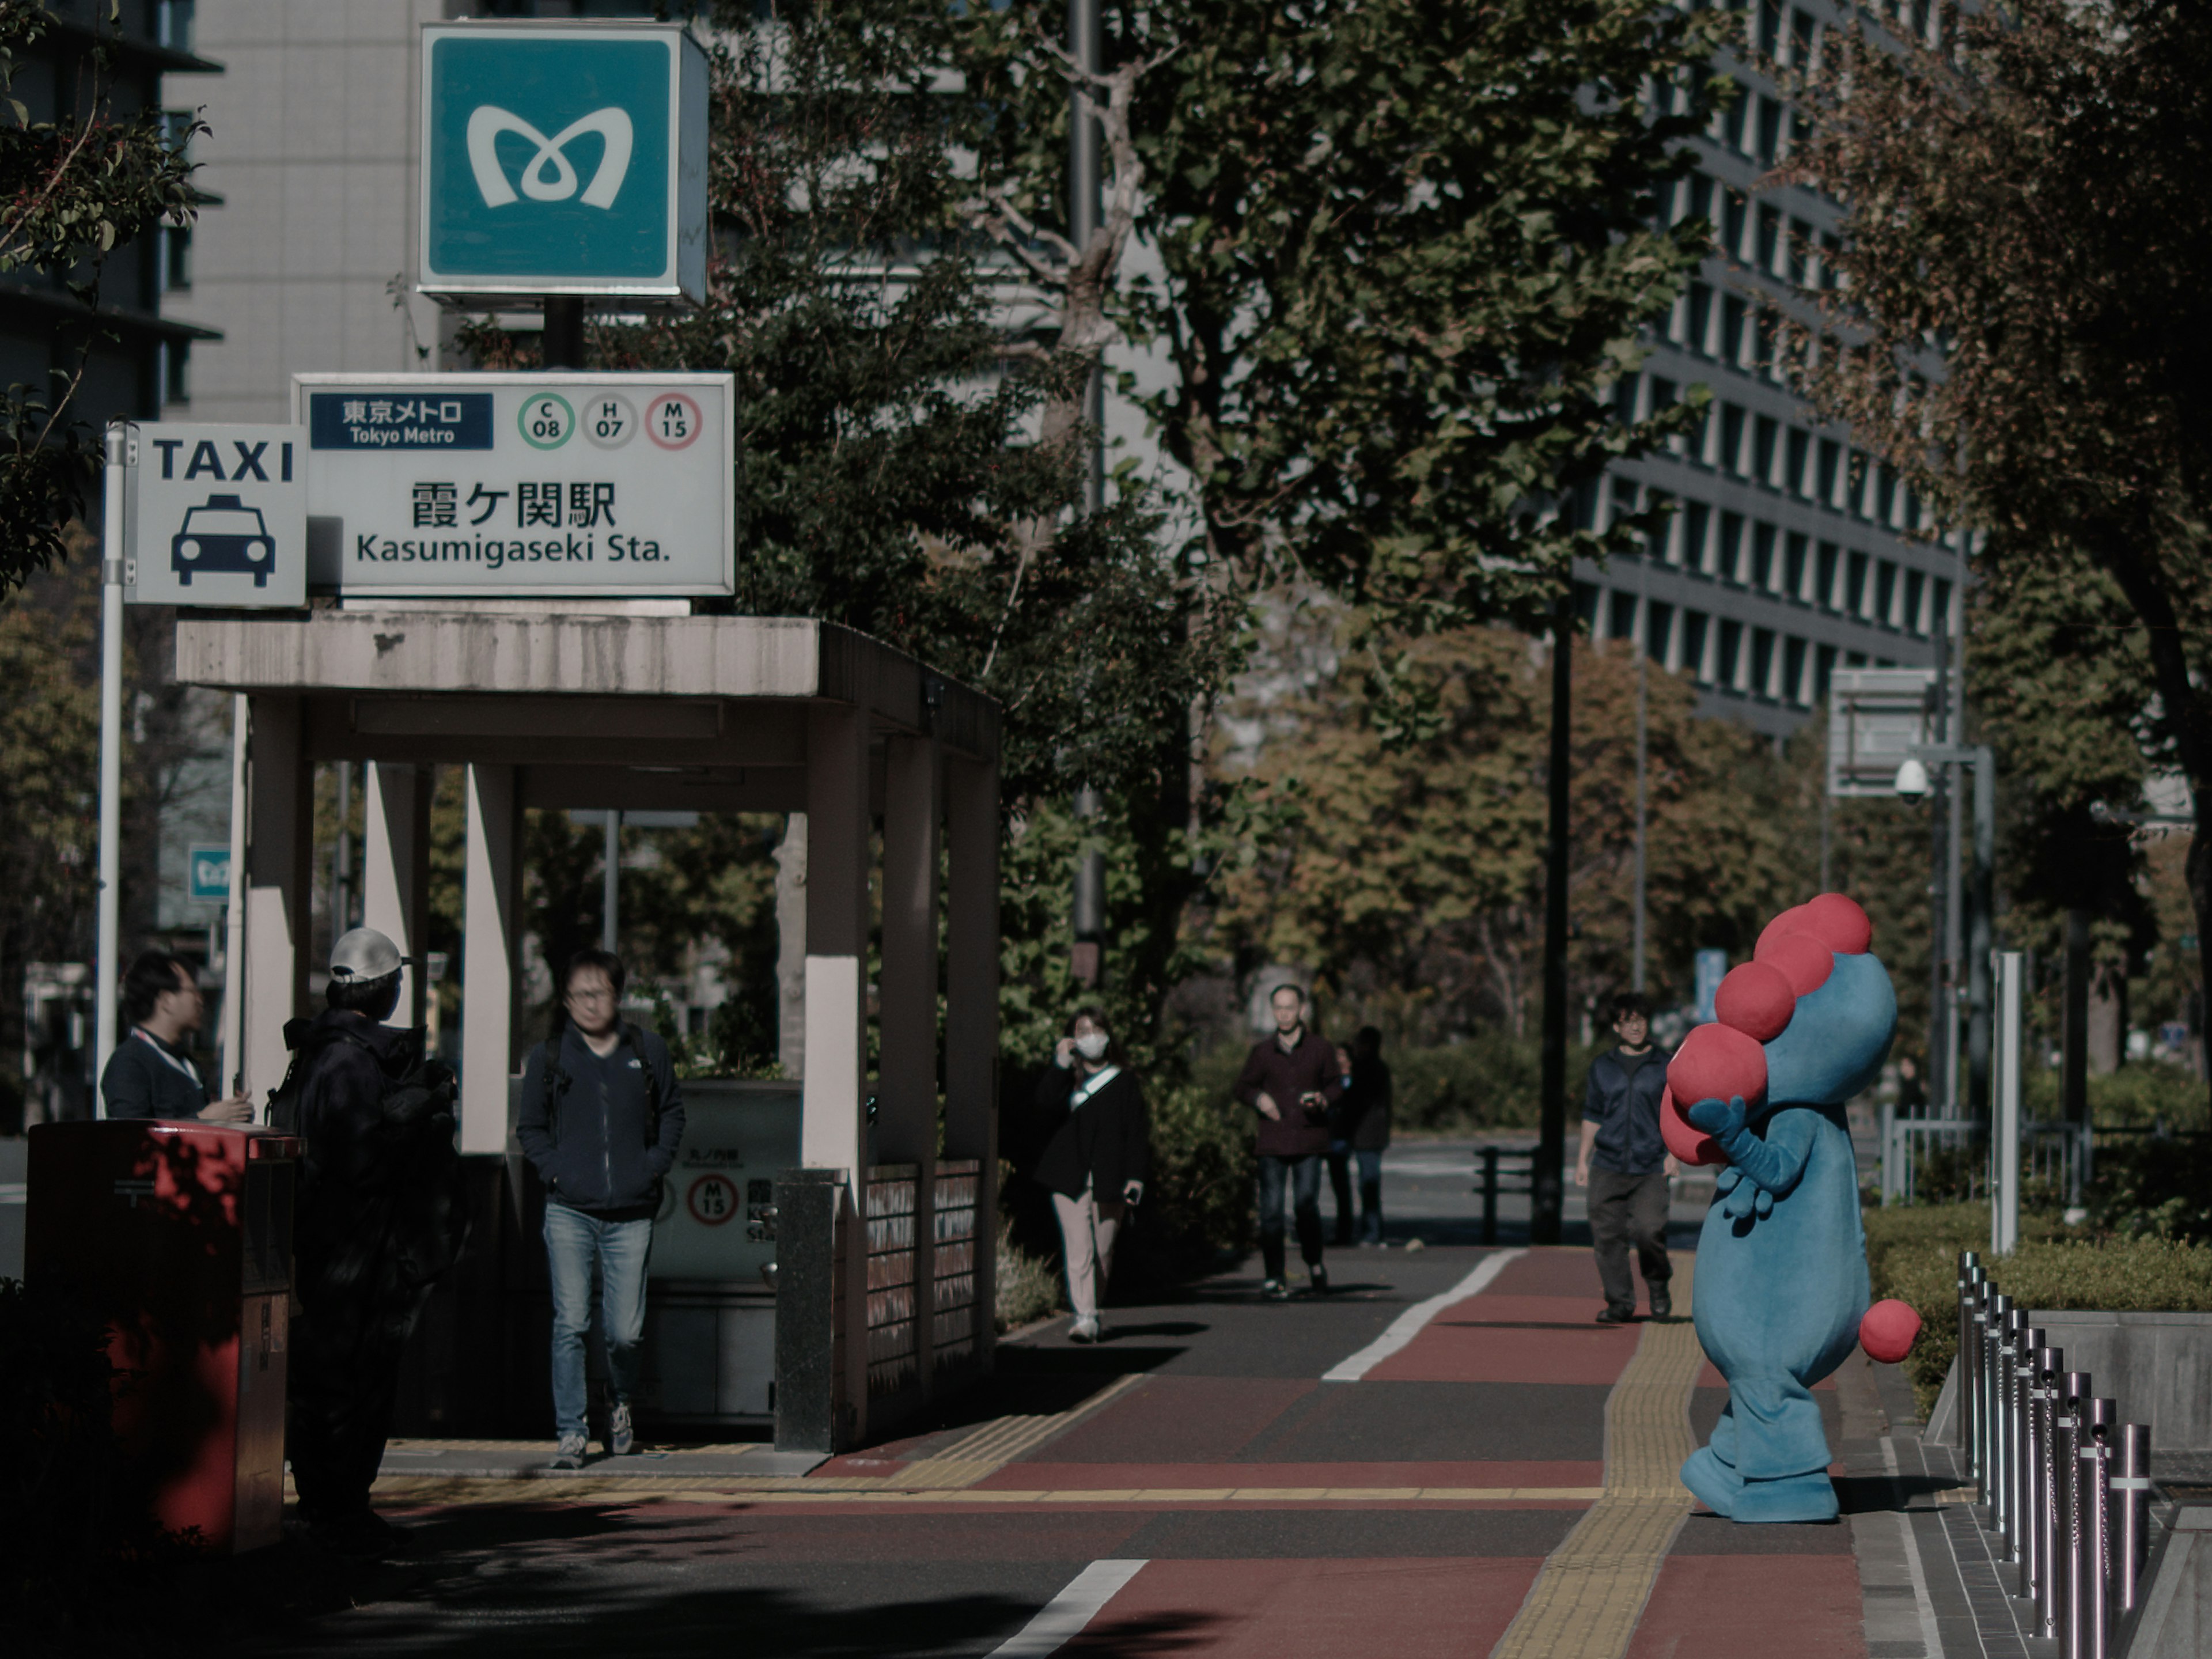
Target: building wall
[308, 261]
[1789, 554]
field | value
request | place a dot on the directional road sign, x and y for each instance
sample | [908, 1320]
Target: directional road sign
[218, 516]
[1875, 717]
[570, 485]
[563, 158]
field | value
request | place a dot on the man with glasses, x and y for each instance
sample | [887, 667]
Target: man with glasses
[601, 1118]
[151, 1074]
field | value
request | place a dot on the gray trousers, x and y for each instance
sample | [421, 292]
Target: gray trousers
[1627, 1210]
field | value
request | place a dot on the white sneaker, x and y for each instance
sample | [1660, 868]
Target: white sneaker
[569, 1454]
[1084, 1330]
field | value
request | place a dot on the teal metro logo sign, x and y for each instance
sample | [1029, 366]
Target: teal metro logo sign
[563, 159]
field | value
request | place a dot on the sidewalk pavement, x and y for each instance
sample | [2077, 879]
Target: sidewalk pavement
[1445, 1457]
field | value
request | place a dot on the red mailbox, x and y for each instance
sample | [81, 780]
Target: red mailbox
[179, 1234]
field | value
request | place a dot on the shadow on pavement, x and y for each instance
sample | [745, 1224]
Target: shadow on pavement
[1878, 1494]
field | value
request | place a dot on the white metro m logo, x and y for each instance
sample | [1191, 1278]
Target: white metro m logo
[540, 184]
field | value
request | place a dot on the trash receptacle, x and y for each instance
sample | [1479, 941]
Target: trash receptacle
[179, 1235]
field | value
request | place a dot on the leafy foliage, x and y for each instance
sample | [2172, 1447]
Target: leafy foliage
[72, 190]
[1403, 250]
[2026, 202]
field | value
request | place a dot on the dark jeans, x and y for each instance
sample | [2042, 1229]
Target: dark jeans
[1304, 1176]
[1628, 1210]
[1342, 1157]
[342, 1380]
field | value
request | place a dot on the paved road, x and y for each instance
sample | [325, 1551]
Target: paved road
[1407, 1466]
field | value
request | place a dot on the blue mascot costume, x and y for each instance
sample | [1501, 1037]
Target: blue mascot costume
[1781, 1286]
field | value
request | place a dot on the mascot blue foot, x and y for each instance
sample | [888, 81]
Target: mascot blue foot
[1781, 1282]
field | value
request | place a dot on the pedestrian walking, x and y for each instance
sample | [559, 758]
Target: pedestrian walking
[1291, 1079]
[1095, 1159]
[1624, 1166]
[601, 1119]
[377, 1219]
[1339, 1156]
[1364, 1121]
[151, 1074]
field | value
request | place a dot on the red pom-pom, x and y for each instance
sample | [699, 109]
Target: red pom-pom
[1839, 923]
[1888, 1331]
[1715, 1062]
[1792, 920]
[1804, 961]
[1756, 999]
[1684, 1138]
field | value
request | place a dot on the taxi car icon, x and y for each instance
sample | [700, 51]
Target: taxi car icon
[225, 535]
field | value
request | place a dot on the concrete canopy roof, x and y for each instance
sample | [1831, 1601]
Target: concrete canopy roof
[622, 710]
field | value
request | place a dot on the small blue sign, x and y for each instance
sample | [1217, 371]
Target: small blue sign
[1712, 968]
[549, 158]
[207, 874]
[371, 419]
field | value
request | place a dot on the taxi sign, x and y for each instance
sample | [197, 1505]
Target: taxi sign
[216, 515]
[563, 158]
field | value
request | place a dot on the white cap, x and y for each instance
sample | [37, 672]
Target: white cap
[364, 954]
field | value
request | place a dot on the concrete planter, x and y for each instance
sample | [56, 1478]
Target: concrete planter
[2157, 1366]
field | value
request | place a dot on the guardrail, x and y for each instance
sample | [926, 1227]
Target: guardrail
[1493, 1181]
[2040, 1445]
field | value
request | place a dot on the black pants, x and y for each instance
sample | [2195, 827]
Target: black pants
[1340, 1183]
[1628, 1210]
[1303, 1175]
[343, 1381]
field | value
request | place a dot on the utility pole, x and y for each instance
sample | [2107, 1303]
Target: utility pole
[1643, 665]
[1086, 44]
[1940, 1090]
[107, 962]
[1548, 1185]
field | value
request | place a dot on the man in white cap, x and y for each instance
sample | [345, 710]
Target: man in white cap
[377, 1215]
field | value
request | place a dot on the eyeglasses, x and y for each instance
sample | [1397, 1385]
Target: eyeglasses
[599, 993]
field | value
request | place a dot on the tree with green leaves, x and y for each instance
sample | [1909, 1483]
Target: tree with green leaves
[72, 190]
[2025, 334]
[1399, 254]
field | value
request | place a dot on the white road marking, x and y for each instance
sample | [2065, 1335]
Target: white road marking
[1407, 1325]
[1063, 1618]
[1931, 1641]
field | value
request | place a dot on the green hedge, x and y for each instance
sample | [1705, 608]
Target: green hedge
[1913, 1253]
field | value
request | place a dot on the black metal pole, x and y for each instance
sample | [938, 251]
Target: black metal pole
[1547, 1184]
[561, 344]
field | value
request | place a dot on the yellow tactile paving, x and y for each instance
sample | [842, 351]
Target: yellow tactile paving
[1591, 1589]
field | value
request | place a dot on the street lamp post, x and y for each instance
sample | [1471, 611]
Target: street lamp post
[1913, 781]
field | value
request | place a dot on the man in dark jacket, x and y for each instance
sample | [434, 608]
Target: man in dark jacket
[1624, 1164]
[151, 1074]
[1292, 1080]
[601, 1119]
[374, 1225]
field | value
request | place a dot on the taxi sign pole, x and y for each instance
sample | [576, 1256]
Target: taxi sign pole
[108, 971]
[233, 946]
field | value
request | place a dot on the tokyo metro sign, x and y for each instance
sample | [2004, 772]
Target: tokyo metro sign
[563, 159]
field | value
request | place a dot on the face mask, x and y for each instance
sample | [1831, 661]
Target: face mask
[1091, 1045]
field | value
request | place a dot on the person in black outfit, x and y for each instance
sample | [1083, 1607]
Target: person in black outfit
[1096, 1160]
[1363, 1120]
[1625, 1165]
[151, 1074]
[376, 1223]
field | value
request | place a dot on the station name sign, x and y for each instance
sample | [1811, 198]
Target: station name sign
[574, 485]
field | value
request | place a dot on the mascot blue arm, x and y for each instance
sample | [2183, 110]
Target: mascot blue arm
[1782, 1277]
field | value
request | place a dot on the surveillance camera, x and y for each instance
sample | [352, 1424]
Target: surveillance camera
[1911, 780]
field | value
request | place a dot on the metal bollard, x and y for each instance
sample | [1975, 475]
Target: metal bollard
[2050, 1366]
[2073, 1565]
[2131, 1521]
[2001, 1400]
[2027, 1536]
[1969, 1277]
[2104, 1421]
[1978, 1377]
[2000, 1310]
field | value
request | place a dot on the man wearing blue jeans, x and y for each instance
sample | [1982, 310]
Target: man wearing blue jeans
[601, 1118]
[1291, 1080]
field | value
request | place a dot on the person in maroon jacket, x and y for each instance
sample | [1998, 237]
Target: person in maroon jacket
[1291, 1079]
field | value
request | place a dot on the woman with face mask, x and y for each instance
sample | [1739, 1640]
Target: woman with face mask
[1096, 1155]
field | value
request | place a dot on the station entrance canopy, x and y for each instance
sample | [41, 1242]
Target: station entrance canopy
[554, 708]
